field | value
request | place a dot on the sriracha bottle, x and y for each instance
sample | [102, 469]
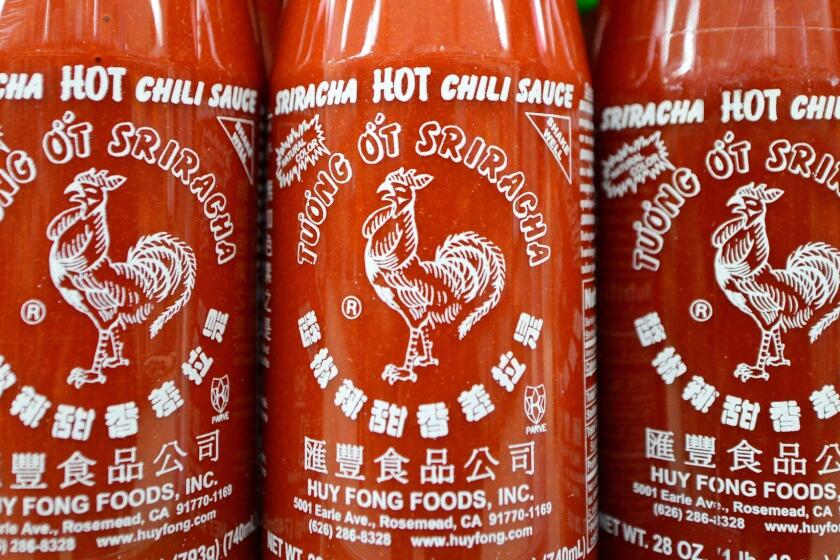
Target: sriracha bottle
[720, 278]
[431, 387]
[127, 279]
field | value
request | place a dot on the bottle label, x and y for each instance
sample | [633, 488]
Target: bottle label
[721, 254]
[432, 316]
[125, 319]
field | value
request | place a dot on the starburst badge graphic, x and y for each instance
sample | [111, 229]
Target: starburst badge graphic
[642, 160]
[301, 149]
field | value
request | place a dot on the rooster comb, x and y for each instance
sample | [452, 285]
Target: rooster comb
[760, 192]
[409, 178]
[101, 179]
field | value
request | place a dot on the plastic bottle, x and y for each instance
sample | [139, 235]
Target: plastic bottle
[431, 386]
[719, 278]
[127, 279]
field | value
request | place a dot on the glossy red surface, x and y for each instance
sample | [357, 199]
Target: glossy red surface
[127, 288]
[404, 262]
[719, 274]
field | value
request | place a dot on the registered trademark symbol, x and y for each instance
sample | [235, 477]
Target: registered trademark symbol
[33, 312]
[701, 310]
[351, 307]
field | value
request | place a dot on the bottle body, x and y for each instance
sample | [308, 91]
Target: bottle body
[127, 280]
[717, 203]
[430, 330]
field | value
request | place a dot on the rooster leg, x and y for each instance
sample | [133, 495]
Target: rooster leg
[115, 359]
[745, 372]
[427, 358]
[778, 360]
[392, 373]
[80, 376]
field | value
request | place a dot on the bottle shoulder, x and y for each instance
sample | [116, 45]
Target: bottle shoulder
[318, 37]
[212, 38]
[685, 46]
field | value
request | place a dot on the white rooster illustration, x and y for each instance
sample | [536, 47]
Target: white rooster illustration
[159, 270]
[464, 281]
[778, 300]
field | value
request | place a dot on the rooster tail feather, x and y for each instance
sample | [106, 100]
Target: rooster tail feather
[814, 270]
[496, 264]
[188, 264]
[168, 266]
[823, 324]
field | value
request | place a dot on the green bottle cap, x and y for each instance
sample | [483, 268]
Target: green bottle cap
[587, 5]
